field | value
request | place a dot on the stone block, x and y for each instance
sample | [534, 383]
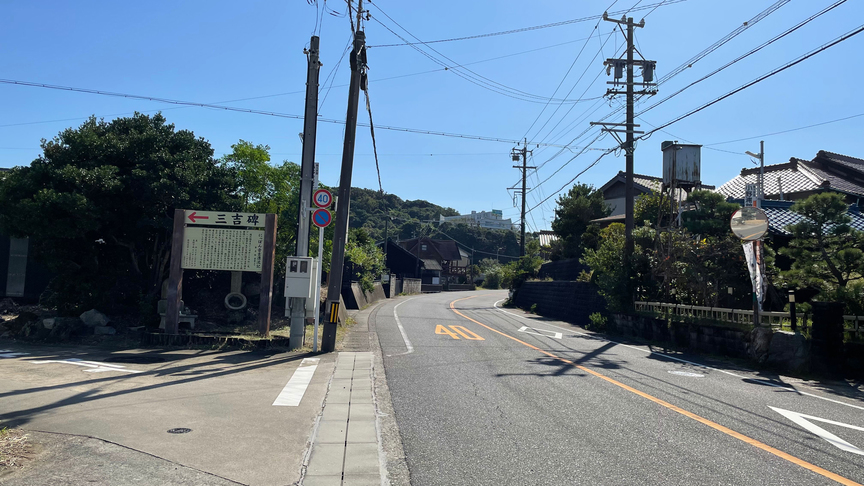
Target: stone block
[49, 323]
[788, 350]
[104, 330]
[93, 318]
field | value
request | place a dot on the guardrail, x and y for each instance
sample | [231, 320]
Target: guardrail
[778, 320]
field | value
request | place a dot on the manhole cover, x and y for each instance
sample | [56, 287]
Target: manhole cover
[179, 430]
[687, 373]
[135, 359]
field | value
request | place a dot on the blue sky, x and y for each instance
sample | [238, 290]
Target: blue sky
[217, 51]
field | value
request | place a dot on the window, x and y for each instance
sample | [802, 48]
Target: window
[423, 247]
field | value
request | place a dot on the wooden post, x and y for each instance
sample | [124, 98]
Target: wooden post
[175, 275]
[266, 304]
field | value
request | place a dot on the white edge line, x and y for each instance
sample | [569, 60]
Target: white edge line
[768, 383]
[402, 329]
[556, 335]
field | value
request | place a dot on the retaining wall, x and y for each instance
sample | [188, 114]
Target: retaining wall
[411, 286]
[567, 300]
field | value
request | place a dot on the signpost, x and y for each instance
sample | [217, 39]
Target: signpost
[227, 245]
[321, 218]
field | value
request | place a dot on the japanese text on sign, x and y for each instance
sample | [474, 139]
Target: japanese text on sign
[224, 218]
[223, 249]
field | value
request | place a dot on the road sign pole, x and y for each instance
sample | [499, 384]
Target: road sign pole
[318, 287]
[175, 276]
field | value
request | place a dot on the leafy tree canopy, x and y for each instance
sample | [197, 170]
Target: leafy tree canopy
[98, 204]
[574, 214]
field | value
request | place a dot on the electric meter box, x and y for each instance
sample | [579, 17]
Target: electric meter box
[299, 275]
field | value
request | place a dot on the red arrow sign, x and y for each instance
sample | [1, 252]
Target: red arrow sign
[192, 217]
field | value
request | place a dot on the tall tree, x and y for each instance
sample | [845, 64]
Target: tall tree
[98, 205]
[826, 252]
[573, 216]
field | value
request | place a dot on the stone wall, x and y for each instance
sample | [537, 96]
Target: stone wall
[562, 269]
[567, 300]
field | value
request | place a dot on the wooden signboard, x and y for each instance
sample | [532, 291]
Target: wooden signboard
[221, 248]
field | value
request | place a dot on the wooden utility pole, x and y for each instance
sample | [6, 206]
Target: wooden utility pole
[307, 169]
[337, 259]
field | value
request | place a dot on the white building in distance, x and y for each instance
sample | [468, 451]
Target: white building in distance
[483, 219]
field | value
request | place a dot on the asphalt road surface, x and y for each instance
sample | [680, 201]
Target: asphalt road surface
[489, 396]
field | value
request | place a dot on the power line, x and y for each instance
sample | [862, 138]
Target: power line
[526, 29]
[604, 154]
[252, 111]
[778, 70]
[785, 131]
[748, 53]
[471, 76]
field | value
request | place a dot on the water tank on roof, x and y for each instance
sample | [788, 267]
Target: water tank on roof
[683, 163]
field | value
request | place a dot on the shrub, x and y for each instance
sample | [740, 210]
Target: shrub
[598, 322]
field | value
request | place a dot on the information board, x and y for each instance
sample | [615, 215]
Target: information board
[223, 249]
[224, 218]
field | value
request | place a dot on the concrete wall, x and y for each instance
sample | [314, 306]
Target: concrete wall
[355, 298]
[411, 286]
[567, 300]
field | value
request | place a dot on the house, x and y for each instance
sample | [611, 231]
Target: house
[614, 193]
[490, 220]
[440, 260]
[799, 178]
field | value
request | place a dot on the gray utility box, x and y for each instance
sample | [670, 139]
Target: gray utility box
[682, 163]
[299, 277]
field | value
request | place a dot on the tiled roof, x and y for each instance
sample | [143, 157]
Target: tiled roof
[826, 171]
[780, 215]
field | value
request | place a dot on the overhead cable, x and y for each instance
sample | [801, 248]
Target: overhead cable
[527, 29]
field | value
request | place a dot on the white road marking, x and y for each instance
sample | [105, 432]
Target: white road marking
[8, 353]
[802, 420]
[525, 329]
[293, 392]
[686, 373]
[736, 375]
[402, 330]
[94, 366]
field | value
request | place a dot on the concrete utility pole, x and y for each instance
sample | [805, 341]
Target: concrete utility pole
[761, 181]
[619, 65]
[337, 260]
[307, 168]
[515, 154]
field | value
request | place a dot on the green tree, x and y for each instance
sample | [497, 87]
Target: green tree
[98, 205]
[652, 208]
[826, 252]
[573, 216]
[365, 256]
[711, 215]
[267, 188]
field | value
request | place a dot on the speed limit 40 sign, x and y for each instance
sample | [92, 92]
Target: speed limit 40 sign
[322, 198]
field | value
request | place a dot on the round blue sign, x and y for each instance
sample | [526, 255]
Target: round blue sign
[322, 218]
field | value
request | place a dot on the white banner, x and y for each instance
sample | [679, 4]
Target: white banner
[756, 277]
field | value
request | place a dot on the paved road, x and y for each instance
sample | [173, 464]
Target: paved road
[488, 397]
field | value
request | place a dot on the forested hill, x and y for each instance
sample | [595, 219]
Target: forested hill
[409, 219]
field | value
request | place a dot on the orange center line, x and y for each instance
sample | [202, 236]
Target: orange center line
[714, 425]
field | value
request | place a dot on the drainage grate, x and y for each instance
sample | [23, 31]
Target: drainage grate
[179, 430]
[135, 359]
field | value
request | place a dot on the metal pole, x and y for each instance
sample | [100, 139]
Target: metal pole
[761, 171]
[307, 169]
[337, 260]
[318, 288]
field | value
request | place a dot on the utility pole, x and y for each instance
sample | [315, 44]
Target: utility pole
[649, 88]
[337, 260]
[761, 180]
[758, 248]
[515, 155]
[307, 169]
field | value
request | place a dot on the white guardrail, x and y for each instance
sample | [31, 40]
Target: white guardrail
[853, 324]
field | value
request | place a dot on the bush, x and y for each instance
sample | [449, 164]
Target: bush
[598, 322]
